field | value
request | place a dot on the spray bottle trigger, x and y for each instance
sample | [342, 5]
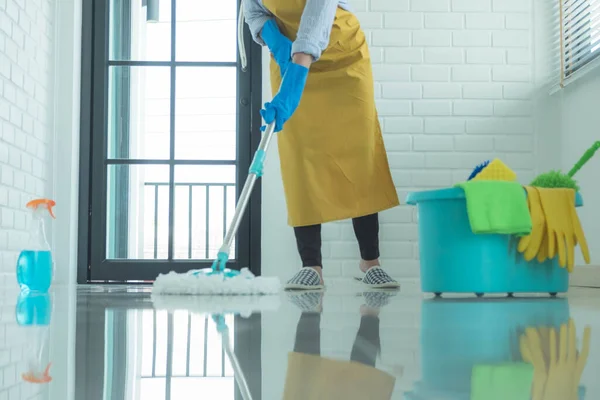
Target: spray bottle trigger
[49, 204]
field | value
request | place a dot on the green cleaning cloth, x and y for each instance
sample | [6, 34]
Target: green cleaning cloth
[498, 207]
[510, 381]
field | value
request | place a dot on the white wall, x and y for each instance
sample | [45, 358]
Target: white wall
[66, 147]
[566, 126]
[26, 124]
[579, 130]
[454, 86]
[66, 184]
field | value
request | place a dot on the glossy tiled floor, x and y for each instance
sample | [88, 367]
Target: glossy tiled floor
[117, 343]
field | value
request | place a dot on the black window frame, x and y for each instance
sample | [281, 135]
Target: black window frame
[92, 263]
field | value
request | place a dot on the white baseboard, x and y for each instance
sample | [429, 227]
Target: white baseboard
[586, 276]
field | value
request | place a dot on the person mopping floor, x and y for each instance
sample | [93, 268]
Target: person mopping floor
[333, 161]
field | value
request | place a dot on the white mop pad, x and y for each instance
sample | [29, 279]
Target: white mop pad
[189, 284]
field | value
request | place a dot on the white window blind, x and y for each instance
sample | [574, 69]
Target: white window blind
[577, 38]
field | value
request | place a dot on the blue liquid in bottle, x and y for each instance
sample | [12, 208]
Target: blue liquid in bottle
[34, 270]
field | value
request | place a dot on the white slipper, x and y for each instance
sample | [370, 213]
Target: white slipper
[377, 278]
[305, 279]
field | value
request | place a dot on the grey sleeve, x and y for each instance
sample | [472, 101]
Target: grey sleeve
[256, 16]
[315, 27]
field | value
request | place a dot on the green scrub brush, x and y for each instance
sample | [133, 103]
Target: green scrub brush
[556, 179]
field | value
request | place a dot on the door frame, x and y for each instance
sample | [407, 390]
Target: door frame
[92, 166]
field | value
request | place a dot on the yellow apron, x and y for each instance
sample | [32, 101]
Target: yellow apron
[333, 160]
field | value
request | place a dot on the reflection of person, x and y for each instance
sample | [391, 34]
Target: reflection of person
[311, 376]
[333, 160]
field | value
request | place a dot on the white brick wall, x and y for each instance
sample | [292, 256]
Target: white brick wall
[26, 81]
[453, 85]
[26, 68]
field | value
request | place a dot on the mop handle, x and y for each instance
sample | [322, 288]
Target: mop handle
[255, 172]
[584, 159]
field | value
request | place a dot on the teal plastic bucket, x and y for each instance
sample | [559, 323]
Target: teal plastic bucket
[455, 260]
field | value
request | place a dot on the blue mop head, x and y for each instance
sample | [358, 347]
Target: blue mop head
[218, 267]
[478, 169]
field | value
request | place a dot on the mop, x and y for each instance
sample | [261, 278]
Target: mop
[218, 279]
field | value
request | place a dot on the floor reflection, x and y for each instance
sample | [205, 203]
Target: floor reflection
[33, 314]
[172, 361]
[373, 345]
[155, 354]
[310, 376]
[500, 349]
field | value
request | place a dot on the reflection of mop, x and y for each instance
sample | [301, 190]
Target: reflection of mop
[244, 306]
[223, 329]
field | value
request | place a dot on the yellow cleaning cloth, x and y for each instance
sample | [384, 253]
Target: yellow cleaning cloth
[496, 171]
[497, 207]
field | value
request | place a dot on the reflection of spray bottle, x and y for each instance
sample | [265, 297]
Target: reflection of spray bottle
[34, 266]
[33, 313]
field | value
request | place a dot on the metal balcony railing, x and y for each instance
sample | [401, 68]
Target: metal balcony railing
[192, 246]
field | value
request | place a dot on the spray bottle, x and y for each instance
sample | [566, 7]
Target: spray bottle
[35, 266]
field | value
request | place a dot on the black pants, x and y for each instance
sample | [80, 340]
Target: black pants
[366, 229]
[366, 346]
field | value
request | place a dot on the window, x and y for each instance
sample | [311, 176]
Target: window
[167, 111]
[578, 37]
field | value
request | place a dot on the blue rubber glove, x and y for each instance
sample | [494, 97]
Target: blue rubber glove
[279, 45]
[283, 105]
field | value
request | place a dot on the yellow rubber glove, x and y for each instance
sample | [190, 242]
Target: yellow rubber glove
[530, 245]
[543, 253]
[563, 226]
[566, 367]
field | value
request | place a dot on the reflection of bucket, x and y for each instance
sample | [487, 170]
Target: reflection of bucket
[453, 259]
[458, 334]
